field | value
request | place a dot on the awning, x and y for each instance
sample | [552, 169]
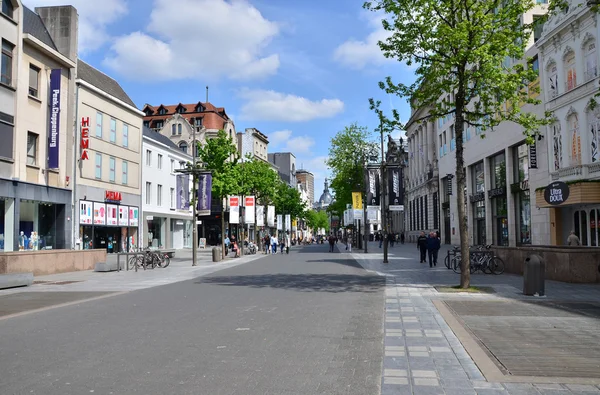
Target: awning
[582, 192]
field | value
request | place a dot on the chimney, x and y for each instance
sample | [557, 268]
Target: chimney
[63, 26]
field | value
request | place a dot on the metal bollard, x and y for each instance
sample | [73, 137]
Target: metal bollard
[534, 276]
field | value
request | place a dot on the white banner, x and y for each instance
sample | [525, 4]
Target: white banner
[260, 215]
[85, 212]
[123, 216]
[234, 209]
[270, 216]
[288, 222]
[372, 213]
[99, 213]
[279, 222]
[111, 215]
[249, 203]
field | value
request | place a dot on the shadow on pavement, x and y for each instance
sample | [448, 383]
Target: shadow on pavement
[333, 283]
[346, 262]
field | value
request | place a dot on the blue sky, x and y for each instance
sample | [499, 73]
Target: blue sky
[299, 71]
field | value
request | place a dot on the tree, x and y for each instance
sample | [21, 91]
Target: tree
[220, 156]
[460, 50]
[288, 201]
[317, 220]
[258, 179]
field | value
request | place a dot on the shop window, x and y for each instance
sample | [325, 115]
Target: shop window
[99, 124]
[557, 146]
[125, 135]
[159, 195]
[111, 165]
[6, 64]
[570, 73]
[478, 177]
[34, 80]
[156, 232]
[32, 143]
[594, 227]
[575, 139]
[523, 206]
[125, 166]
[40, 226]
[591, 69]
[2, 226]
[98, 166]
[113, 130]
[159, 161]
[498, 163]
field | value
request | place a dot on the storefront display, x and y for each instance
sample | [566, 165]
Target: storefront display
[38, 226]
[107, 225]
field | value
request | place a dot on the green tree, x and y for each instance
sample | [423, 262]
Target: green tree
[317, 220]
[219, 155]
[287, 200]
[258, 179]
[462, 52]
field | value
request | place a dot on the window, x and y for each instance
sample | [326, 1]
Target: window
[112, 163]
[172, 165]
[8, 8]
[148, 193]
[535, 64]
[538, 26]
[180, 109]
[32, 142]
[173, 129]
[98, 166]
[159, 161]
[113, 130]
[498, 170]
[570, 74]
[99, 124]
[594, 128]
[452, 139]
[521, 163]
[441, 146]
[6, 135]
[590, 60]
[148, 158]
[552, 80]
[147, 124]
[7, 61]
[125, 135]
[34, 80]
[172, 197]
[183, 146]
[478, 177]
[162, 111]
[159, 195]
[575, 140]
[557, 146]
[124, 166]
[159, 124]
[179, 129]
[198, 122]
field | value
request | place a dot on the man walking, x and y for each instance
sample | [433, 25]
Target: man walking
[433, 246]
[331, 243]
[422, 246]
[402, 238]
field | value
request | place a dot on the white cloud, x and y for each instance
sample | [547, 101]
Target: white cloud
[276, 139]
[268, 105]
[93, 19]
[358, 54]
[282, 140]
[198, 39]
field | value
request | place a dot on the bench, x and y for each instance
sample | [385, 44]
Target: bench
[16, 280]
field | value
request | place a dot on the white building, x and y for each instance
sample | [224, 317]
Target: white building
[569, 69]
[167, 218]
[254, 143]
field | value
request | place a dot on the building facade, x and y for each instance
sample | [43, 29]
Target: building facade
[108, 172]
[307, 179]
[569, 71]
[286, 166]
[166, 214]
[253, 143]
[36, 110]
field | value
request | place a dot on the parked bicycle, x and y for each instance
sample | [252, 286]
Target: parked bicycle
[149, 259]
[481, 258]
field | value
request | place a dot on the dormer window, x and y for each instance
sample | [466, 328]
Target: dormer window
[159, 124]
[199, 108]
[149, 112]
[162, 111]
[180, 109]
[198, 122]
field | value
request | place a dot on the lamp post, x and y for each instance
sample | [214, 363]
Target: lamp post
[383, 181]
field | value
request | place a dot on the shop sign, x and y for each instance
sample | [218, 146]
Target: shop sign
[260, 215]
[556, 193]
[112, 196]
[234, 209]
[524, 185]
[492, 193]
[204, 194]
[85, 212]
[111, 215]
[533, 156]
[53, 135]
[249, 203]
[133, 216]
[84, 144]
[270, 216]
[477, 197]
[99, 213]
[123, 216]
[449, 178]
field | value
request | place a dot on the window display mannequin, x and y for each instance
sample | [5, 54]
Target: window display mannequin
[22, 241]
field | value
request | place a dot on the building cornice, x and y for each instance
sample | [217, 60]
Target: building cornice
[35, 42]
[121, 103]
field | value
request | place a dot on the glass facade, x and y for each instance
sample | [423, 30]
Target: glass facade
[478, 182]
[156, 236]
[499, 201]
[40, 226]
[2, 224]
[522, 196]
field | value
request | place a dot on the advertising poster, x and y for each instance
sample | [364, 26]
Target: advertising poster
[234, 209]
[373, 187]
[112, 214]
[85, 212]
[133, 216]
[99, 214]
[249, 203]
[123, 216]
[204, 194]
[279, 222]
[183, 191]
[260, 215]
[288, 222]
[396, 189]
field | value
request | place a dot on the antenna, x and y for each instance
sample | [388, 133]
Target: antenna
[207, 93]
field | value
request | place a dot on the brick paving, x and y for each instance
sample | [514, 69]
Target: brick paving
[424, 356]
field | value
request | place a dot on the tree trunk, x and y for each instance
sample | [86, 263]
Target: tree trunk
[465, 276]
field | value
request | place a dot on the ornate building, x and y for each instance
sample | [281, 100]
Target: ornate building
[325, 199]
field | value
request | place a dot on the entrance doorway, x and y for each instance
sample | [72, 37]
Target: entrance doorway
[107, 237]
[447, 235]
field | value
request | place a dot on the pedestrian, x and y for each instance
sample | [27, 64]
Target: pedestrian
[287, 243]
[392, 239]
[380, 239]
[273, 244]
[573, 240]
[433, 246]
[349, 243]
[227, 242]
[281, 243]
[422, 246]
[267, 243]
[402, 238]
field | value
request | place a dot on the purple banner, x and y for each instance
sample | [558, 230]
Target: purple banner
[183, 192]
[54, 124]
[204, 194]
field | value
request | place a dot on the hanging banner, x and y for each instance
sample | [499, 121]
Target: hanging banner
[123, 216]
[294, 225]
[134, 216]
[99, 214]
[396, 189]
[533, 156]
[183, 191]
[260, 215]
[54, 122]
[279, 222]
[288, 223]
[249, 203]
[85, 212]
[111, 215]
[373, 187]
[234, 209]
[204, 194]
[357, 200]
[372, 214]
[270, 216]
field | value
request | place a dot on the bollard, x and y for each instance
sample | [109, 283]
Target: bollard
[216, 254]
[534, 276]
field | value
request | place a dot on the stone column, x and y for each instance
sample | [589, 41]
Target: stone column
[432, 140]
[427, 142]
[510, 201]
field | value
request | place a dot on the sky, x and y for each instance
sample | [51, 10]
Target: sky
[298, 71]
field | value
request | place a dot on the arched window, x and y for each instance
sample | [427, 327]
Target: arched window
[570, 74]
[179, 129]
[589, 53]
[557, 146]
[552, 73]
[574, 140]
[594, 129]
[183, 146]
[173, 129]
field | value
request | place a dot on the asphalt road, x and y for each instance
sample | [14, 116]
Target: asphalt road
[306, 323]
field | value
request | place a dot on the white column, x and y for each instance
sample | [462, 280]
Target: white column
[413, 163]
[432, 139]
[418, 153]
[426, 147]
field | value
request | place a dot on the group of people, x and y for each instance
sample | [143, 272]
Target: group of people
[429, 245]
[231, 244]
[392, 238]
[271, 242]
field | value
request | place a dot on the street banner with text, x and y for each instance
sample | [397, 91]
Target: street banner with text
[54, 121]
[288, 222]
[373, 187]
[279, 222]
[357, 201]
[249, 203]
[182, 182]
[234, 209]
[270, 216]
[396, 189]
[260, 215]
[204, 194]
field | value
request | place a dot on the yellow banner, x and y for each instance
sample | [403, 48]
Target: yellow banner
[356, 201]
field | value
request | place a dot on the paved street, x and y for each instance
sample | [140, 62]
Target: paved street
[305, 323]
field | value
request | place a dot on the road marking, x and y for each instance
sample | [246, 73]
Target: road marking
[242, 329]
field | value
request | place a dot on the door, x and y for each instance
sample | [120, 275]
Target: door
[447, 235]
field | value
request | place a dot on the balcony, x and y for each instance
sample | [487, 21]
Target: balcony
[577, 172]
[590, 74]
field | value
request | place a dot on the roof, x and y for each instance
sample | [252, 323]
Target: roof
[33, 24]
[160, 139]
[103, 82]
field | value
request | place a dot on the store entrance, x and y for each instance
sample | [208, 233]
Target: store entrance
[108, 238]
[447, 236]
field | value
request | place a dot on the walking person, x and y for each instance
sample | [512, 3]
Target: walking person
[402, 238]
[331, 243]
[433, 246]
[267, 242]
[349, 243]
[392, 238]
[287, 243]
[273, 244]
[422, 246]
[281, 244]
[380, 236]
[573, 240]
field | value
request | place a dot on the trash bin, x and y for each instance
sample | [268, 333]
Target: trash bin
[534, 276]
[216, 254]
